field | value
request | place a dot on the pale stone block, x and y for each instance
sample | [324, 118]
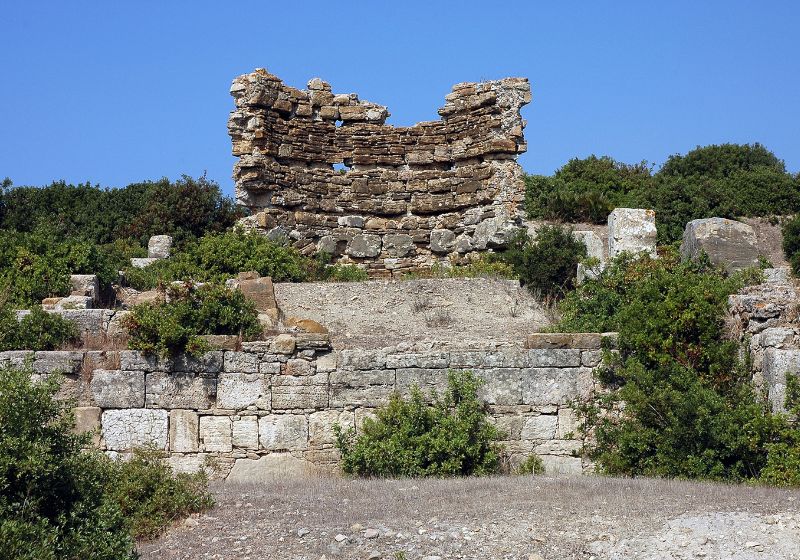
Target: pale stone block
[188, 464]
[593, 243]
[286, 397]
[501, 386]
[320, 425]
[728, 243]
[16, 358]
[297, 367]
[183, 431]
[505, 359]
[554, 358]
[283, 344]
[552, 386]
[631, 230]
[540, 427]
[58, 361]
[238, 391]
[158, 246]
[179, 390]
[326, 362]
[555, 465]
[241, 362]
[362, 359]
[87, 419]
[210, 362]
[245, 432]
[117, 389]
[776, 365]
[126, 429]
[215, 433]
[269, 468]
[283, 431]
[568, 423]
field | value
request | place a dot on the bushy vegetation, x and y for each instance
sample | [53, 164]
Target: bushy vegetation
[727, 180]
[450, 436]
[531, 465]
[791, 243]
[47, 234]
[689, 410]
[61, 501]
[36, 330]
[176, 324]
[216, 257]
[546, 264]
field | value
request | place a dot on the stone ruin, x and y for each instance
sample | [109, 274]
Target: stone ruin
[326, 172]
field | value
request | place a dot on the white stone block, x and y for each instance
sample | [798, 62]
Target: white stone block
[245, 432]
[215, 434]
[631, 230]
[541, 427]
[238, 391]
[283, 431]
[126, 429]
[183, 431]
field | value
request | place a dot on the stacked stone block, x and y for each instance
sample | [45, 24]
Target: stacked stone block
[276, 401]
[404, 197]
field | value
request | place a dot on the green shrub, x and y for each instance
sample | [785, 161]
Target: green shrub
[53, 498]
[152, 497]
[531, 465]
[37, 330]
[791, 242]
[451, 436]
[217, 257]
[689, 410]
[548, 263]
[176, 325]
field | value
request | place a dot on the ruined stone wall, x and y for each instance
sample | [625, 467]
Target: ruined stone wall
[272, 405]
[405, 197]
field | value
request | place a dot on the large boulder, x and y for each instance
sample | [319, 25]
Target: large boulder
[727, 243]
[158, 247]
[631, 230]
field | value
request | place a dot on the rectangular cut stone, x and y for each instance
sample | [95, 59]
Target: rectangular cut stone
[16, 358]
[92, 321]
[320, 425]
[540, 427]
[216, 434]
[283, 431]
[591, 358]
[210, 362]
[68, 363]
[362, 359]
[563, 340]
[631, 230]
[245, 432]
[776, 365]
[117, 389]
[326, 362]
[433, 360]
[568, 423]
[555, 357]
[127, 429]
[463, 360]
[426, 379]
[241, 362]
[237, 391]
[297, 367]
[402, 361]
[361, 388]
[501, 386]
[505, 359]
[179, 390]
[183, 431]
[555, 386]
[87, 420]
[136, 360]
[299, 397]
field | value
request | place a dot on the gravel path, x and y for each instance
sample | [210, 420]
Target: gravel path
[509, 518]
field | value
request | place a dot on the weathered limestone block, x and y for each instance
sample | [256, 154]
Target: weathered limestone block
[554, 358]
[364, 246]
[58, 361]
[284, 344]
[184, 430]
[245, 432]
[555, 465]
[283, 432]
[16, 358]
[501, 386]
[238, 391]
[216, 434]
[362, 359]
[778, 275]
[126, 429]
[179, 390]
[91, 321]
[210, 362]
[73, 302]
[158, 246]
[87, 419]
[555, 386]
[426, 379]
[296, 367]
[728, 243]
[361, 388]
[287, 395]
[631, 230]
[778, 363]
[135, 360]
[117, 389]
[593, 243]
[568, 423]
[398, 245]
[320, 425]
[442, 241]
[261, 292]
[241, 362]
[269, 468]
[506, 358]
[494, 232]
[141, 262]
[540, 427]
[87, 285]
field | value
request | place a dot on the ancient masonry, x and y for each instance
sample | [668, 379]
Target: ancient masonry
[270, 407]
[324, 171]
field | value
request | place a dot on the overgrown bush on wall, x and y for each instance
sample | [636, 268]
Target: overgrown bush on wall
[791, 243]
[689, 410]
[449, 436]
[36, 330]
[546, 264]
[216, 257]
[176, 325]
[61, 501]
[728, 180]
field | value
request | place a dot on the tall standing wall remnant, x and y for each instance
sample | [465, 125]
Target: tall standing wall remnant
[323, 170]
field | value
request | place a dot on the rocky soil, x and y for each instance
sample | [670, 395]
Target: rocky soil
[382, 313]
[526, 518]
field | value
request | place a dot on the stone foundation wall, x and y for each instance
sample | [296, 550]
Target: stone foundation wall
[271, 406]
[399, 198]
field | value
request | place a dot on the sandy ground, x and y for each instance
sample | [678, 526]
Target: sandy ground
[380, 313]
[527, 518]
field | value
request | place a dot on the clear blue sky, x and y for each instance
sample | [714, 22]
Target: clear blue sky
[116, 92]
